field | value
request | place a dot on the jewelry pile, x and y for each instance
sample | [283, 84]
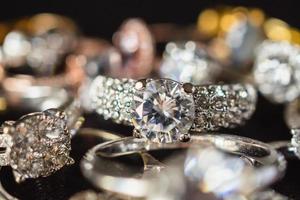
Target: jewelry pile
[179, 102]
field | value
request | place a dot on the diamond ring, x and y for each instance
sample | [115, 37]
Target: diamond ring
[122, 180]
[188, 62]
[38, 144]
[291, 148]
[276, 71]
[164, 110]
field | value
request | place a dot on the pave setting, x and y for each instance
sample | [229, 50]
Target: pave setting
[112, 98]
[38, 144]
[223, 106]
[162, 110]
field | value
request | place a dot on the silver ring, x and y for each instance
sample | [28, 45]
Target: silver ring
[114, 178]
[38, 144]
[164, 110]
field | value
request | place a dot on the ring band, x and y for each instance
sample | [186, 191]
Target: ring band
[164, 110]
[260, 153]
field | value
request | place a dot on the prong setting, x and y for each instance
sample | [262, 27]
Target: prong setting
[185, 137]
[188, 88]
[7, 127]
[140, 84]
[136, 133]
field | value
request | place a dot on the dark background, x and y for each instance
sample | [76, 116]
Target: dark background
[101, 19]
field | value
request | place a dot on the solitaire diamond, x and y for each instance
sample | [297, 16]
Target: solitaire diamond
[162, 110]
[40, 144]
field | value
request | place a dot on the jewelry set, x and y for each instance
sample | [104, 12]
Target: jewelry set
[178, 103]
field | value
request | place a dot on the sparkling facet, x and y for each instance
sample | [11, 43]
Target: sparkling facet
[162, 110]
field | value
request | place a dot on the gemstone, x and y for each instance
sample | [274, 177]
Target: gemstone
[162, 110]
[186, 62]
[40, 144]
